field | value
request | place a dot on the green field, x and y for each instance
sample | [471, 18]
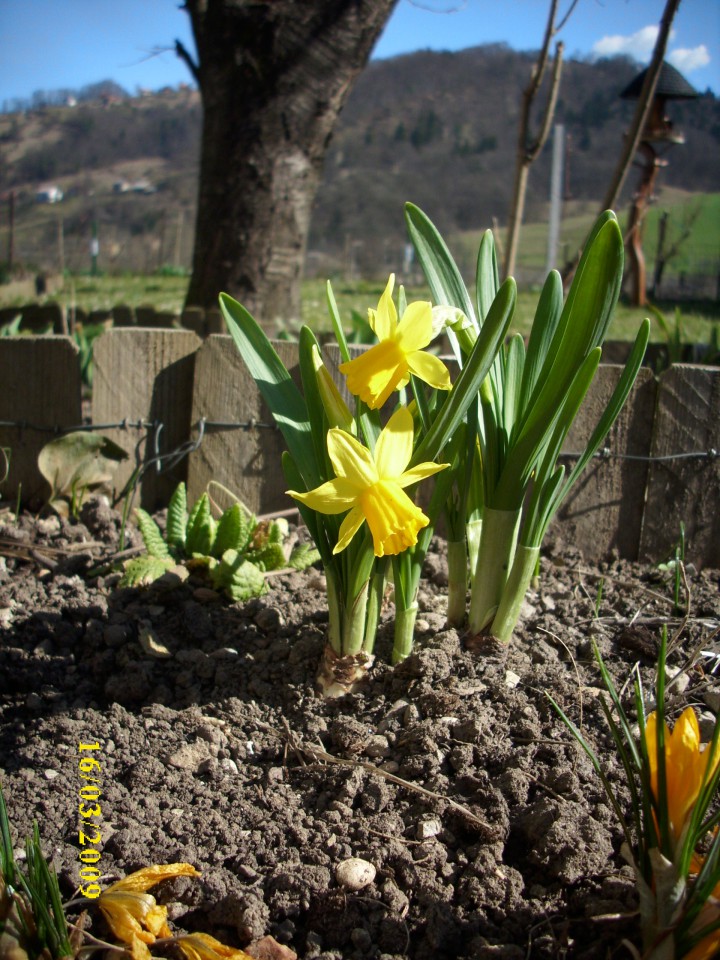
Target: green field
[699, 214]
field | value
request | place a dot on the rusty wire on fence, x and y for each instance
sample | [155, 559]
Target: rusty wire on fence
[204, 425]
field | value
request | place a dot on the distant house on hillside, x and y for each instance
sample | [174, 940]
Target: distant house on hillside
[143, 186]
[49, 194]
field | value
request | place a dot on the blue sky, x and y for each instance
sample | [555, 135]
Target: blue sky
[54, 44]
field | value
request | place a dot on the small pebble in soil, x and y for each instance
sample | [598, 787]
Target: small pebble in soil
[428, 828]
[355, 874]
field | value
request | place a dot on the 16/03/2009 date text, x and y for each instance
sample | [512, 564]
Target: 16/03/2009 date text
[89, 833]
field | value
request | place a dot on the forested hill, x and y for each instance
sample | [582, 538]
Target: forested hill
[439, 129]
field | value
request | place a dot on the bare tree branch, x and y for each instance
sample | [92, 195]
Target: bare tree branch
[527, 152]
[643, 107]
[186, 56]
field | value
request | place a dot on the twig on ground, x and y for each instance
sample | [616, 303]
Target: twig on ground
[319, 754]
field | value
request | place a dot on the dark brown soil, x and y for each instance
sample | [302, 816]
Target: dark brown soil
[218, 752]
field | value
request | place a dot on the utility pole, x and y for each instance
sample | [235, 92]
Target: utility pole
[556, 182]
[94, 249]
[11, 231]
[178, 237]
[61, 246]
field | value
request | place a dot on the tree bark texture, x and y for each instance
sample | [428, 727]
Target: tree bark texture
[273, 77]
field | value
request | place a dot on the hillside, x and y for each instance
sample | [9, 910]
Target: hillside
[435, 128]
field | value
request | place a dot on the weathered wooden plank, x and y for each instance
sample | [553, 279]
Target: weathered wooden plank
[685, 490]
[146, 375]
[604, 511]
[246, 459]
[39, 385]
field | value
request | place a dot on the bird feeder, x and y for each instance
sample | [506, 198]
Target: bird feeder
[657, 136]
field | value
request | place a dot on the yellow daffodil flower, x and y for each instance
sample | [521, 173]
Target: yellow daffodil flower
[201, 946]
[387, 366]
[685, 765]
[132, 914]
[371, 487]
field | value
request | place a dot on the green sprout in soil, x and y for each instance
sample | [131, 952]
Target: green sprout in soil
[235, 551]
[32, 922]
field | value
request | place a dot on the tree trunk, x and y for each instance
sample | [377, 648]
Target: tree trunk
[273, 78]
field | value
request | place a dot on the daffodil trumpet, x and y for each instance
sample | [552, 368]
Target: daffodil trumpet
[673, 783]
[526, 406]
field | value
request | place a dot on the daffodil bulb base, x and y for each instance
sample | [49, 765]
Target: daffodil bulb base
[338, 675]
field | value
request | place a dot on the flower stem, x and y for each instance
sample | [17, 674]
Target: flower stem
[473, 533]
[372, 614]
[457, 581]
[404, 632]
[335, 616]
[495, 558]
[508, 612]
[354, 625]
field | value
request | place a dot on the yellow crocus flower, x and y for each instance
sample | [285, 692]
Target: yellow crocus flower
[387, 366]
[685, 765]
[132, 914]
[201, 946]
[371, 487]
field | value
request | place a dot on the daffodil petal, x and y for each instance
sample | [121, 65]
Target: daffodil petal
[201, 946]
[375, 373]
[133, 915]
[415, 329]
[348, 528]
[394, 445]
[139, 950]
[420, 472]
[429, 368]
[384, 319]
[142, 880]
[335, 496]
[350, 459]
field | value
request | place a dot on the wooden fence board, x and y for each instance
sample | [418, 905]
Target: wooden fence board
[244, 459]
[39, 384]
[143, 374]
[685, 490]
[604, 511]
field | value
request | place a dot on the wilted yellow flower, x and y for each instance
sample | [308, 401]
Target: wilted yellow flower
[387, 366]
[709, 946]
[201, 946]
[132, 914]
[371, 487]
[335, 407]
[685, 765]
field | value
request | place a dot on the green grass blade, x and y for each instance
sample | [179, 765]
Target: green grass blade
[487, 282]
[610, 793]
[7, 858]
[467, 385]
[554, 440]
[337, 323]
[512, 381]
[441, 272]
[583, 322]
[545, 323]
[615, 404]
[313, 400]
[275, 384]
[312, 521]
